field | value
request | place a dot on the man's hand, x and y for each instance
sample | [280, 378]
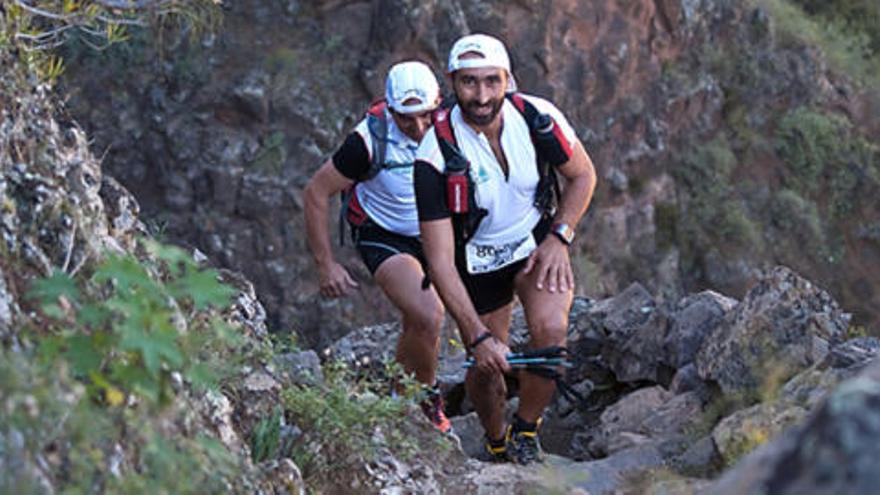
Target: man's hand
[490, 356]
[552, 263]
[335, 280]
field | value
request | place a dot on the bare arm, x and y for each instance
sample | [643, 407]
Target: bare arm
[551, 259]
[327, 181]
[439, 245]
[580, 175]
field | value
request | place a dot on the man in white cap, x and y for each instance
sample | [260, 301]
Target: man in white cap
[518, 247]
[376, 159]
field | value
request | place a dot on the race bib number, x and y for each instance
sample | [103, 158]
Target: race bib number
[482, 258]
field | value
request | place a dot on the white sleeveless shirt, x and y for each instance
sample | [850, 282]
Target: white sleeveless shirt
[388, 198]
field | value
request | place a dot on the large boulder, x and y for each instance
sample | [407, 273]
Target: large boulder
[648, 415]
[693, 319]
[746, 429]
[634, 328]
[783, 325]
[835, 451]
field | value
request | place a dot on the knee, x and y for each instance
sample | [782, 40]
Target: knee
[548, 329]
[426, 320]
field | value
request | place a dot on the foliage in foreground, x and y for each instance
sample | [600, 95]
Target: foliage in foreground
[94, 406]
[38, 27]
[350, 419]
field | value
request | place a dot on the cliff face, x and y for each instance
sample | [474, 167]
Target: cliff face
[723, 144]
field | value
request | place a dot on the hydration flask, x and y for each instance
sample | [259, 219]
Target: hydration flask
[548, 144]
[457, 182]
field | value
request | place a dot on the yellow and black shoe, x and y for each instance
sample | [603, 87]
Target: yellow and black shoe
[522, 443]
[496, 450]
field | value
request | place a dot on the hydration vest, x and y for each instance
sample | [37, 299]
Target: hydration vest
[551, 151]
[351, 209]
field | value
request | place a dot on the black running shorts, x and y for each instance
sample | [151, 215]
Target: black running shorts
[493, 290]
[375, 245]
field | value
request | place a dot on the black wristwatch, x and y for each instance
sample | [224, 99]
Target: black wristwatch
[563, 232]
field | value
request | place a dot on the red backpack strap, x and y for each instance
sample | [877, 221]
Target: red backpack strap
[530, 113]
[377, 108]
[443, 126]
[518, 102]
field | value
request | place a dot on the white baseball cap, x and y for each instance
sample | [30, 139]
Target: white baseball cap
[492, 54]
[408, 81]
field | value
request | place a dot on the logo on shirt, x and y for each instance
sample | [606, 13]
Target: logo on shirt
[479, 174]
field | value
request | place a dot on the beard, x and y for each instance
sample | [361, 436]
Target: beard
[476, 113]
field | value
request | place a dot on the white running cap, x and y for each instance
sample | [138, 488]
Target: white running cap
[408, 81]
[493, 55]
[492, 51]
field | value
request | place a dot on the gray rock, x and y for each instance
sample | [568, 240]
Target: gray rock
[810, 386]
[635, 329]
[673, 416]
[251, 96]
[783, 325]
[835, 451]
[700, 459]
[246, 310]
[7, 307]
[372, 344]
[470, 433]
[694, 318]
[621, 423]
[303, 368]
[747, 429]
[687, 379]
[610, 475]
[122, 210]
[854, 352]
[281, 477]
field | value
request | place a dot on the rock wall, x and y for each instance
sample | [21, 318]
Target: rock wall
[216, 137]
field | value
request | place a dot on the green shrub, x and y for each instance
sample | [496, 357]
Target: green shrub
[351, 418]
[125, 330]
[76, 440]
[808, 140]
[666, 224]
[794, 215]
[827, 159]
[858, 17]
[710, 210]
[266, 442]
[849, 40]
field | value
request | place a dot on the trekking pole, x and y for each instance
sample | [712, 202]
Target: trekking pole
[517, 361]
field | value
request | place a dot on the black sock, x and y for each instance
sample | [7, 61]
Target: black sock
[520, 424]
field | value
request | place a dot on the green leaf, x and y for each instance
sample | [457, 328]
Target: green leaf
[82, 354]
[125, 271]
[54, 311]
[202, 376]
[178, 259]
[204, 288]
[93, 315]
[50, 348]
[48, 290]
[154, 348]
[136, 378]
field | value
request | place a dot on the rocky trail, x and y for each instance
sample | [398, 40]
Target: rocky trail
[767, 384]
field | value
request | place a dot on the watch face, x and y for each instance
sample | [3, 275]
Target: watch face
[564, 232]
